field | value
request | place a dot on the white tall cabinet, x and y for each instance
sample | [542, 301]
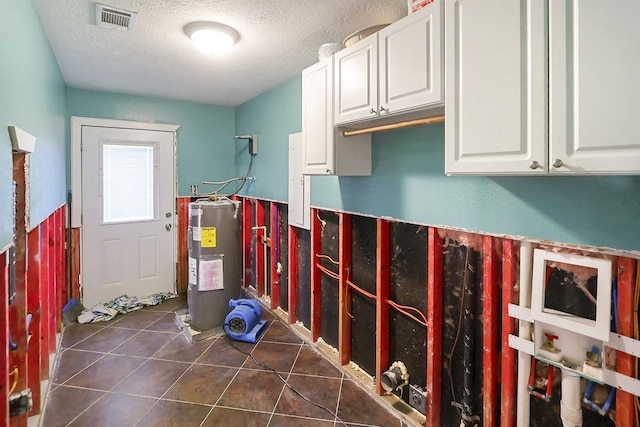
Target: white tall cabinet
[537, 87]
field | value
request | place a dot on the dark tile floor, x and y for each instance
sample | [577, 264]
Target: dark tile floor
[139, 370]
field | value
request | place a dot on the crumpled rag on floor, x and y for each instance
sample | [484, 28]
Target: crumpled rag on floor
[123, 304]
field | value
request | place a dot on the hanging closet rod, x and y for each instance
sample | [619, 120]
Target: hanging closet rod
[405, 124]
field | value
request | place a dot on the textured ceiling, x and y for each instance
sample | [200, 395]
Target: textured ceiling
[278, 38]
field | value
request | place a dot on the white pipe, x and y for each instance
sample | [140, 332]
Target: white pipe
[570, 405]
[524, 331]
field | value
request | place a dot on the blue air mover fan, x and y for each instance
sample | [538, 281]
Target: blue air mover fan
[243, 323]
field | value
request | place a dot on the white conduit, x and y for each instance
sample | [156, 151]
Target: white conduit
[524, 331]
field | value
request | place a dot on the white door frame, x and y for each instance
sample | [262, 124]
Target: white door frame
[76, 162]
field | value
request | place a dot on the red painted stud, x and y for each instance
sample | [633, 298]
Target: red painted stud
[434, 329]
[383, 257]
[44, 301]
[344, 290]
[293, 274]
[509, 364]
[275, 277]
[33, 307]
[5, 366]
[625, 407]
[490, 328]
[316, 279]
[260, 251]
[246, 241]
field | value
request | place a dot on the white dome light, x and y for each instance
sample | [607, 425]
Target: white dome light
[211, 37]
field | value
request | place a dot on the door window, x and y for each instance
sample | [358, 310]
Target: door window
[128, 182]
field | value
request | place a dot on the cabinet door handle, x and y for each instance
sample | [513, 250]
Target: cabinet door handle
[383, 109]
[557, 163]
[373, 111]
[329, 171]
[534, 164]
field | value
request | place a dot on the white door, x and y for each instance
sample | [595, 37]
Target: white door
[356, 80]
[496, 74]
[128, 206]
[411, 67]
[593, 86]
[317, 118]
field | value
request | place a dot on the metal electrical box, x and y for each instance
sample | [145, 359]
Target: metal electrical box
[214, 261]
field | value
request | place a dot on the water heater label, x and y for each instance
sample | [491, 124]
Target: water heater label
[197, 234]
[193, 264]
[211, 275]
[208, 237]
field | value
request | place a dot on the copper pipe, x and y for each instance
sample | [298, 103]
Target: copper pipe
[400, 125]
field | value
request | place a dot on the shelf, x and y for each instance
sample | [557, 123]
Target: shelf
[575, 371]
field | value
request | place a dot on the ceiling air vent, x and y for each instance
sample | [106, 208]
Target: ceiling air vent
[110, 17]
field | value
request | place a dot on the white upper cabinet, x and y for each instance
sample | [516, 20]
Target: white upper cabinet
[317, 118]
[324, 150]
[537, 87]
[594, 55]
[396, 70]
[495, 99]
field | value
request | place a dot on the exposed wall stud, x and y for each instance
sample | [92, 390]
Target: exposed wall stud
[44, 300]
[18, 308]
[260, 251]
[344, 290]
[490, 328]
[182, 271]
[316, 278]
[5, 367]
[33, 307]
[509, 364]
[246, 241]
[625, 405]
[293, 275]
[383, 256]
[434, 329]
[275, 277]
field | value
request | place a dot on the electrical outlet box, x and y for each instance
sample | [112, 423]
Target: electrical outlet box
[418, 399]
[253, 145]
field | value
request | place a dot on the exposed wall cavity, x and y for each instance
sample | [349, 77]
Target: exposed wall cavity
[363, 309]
[304, 277]
[283, 258]
[329, 329]
[408, 287]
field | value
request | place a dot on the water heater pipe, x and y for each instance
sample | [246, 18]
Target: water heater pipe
[524, 331]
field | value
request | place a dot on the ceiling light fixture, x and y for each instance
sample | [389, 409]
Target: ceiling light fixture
[212, 38]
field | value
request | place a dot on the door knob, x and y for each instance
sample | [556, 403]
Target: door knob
[168, 227]
[557, 163]
[168, 214]
[534, 164]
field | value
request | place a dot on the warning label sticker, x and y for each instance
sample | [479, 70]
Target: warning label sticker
[208, 236]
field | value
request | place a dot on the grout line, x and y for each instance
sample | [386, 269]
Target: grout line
[338, 403]
[82, 370]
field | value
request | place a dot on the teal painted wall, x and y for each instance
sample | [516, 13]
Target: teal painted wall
[32, 98]
[205, 144]
[409, 183]
[272, 116]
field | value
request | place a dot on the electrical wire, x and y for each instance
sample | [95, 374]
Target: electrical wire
[335, 415]
[15, 379]
[223, 184]
[455, 341]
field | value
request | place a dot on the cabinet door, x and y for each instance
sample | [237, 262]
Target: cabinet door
[356, 80]
[411, 61]
[299, 185]
[317, 118]
[594, 89]
[496, 92]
